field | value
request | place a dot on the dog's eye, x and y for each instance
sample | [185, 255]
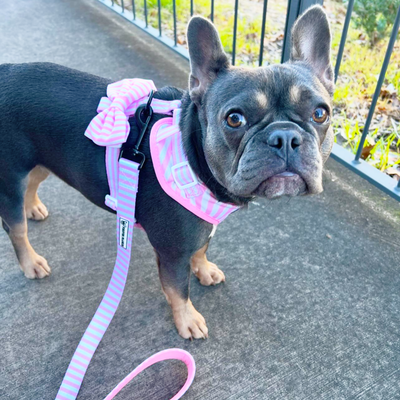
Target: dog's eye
[236, 120]
[320, 115]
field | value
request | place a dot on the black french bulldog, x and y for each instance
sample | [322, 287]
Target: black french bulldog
[247, 132]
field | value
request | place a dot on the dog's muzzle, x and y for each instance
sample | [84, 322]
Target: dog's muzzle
[283, 140]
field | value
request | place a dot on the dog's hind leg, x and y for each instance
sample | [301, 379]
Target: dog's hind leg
[34, 208]
[14, 223]
[207, 272]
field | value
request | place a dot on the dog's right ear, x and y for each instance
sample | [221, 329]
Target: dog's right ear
[207, 57]
[311, 42]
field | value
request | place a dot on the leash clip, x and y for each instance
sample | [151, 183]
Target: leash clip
[135, 156]
[143, 116]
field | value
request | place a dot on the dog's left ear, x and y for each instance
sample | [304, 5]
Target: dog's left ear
[311, 42]
[207, 57]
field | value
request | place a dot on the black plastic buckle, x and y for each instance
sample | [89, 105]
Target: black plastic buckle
[143, 117]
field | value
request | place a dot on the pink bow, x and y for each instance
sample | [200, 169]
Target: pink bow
[111, 127]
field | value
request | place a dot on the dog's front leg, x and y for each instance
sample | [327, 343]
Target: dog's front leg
[175, 275]
[207, 272]
[32, 264]
[34, 208]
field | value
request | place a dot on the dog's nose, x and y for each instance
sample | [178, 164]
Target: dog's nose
[284, 141]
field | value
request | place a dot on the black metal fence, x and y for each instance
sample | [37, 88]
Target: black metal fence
[295, 8]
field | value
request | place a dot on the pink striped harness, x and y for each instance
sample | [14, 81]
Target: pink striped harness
[111, 128]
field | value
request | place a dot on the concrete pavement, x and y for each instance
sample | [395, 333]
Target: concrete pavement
[311, 306]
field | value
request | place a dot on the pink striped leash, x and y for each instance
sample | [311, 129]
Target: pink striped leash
[123, 178]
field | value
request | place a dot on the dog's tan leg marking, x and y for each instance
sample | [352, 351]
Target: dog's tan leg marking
[188, 321]
[33, 265]
[34, 208]
[207, 272]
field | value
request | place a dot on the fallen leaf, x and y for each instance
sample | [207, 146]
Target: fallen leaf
[388, 91]
[393, 172]
[366, 152]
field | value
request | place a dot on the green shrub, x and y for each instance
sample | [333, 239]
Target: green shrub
[376, 17]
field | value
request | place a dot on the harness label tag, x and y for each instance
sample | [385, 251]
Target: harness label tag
[123, 232]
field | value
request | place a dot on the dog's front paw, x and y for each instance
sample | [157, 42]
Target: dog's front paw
[207, 272]
[189, 322]
[35, 267]
[36, 210]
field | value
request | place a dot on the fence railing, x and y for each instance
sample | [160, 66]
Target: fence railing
[295, 8]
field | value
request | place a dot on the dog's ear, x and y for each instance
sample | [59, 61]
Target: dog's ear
[207, 57]
[311, 42]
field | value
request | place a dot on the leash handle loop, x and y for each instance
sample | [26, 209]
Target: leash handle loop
[169, 354]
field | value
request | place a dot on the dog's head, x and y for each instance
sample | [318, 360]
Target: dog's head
[266, 131]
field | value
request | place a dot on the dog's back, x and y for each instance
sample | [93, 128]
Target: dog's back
[46, 108]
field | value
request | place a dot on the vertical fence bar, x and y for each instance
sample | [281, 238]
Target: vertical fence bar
[291, 15]
[145, 13]
[212, 11]
[235, 32]
[264, 17]
[133, 9]
[112, 3]
[175, 34]
[343, 38]
[122, 5]
[159, 17]
[191, 8]
[382, 74]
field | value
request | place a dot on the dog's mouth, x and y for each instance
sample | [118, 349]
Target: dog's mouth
[283, 184]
